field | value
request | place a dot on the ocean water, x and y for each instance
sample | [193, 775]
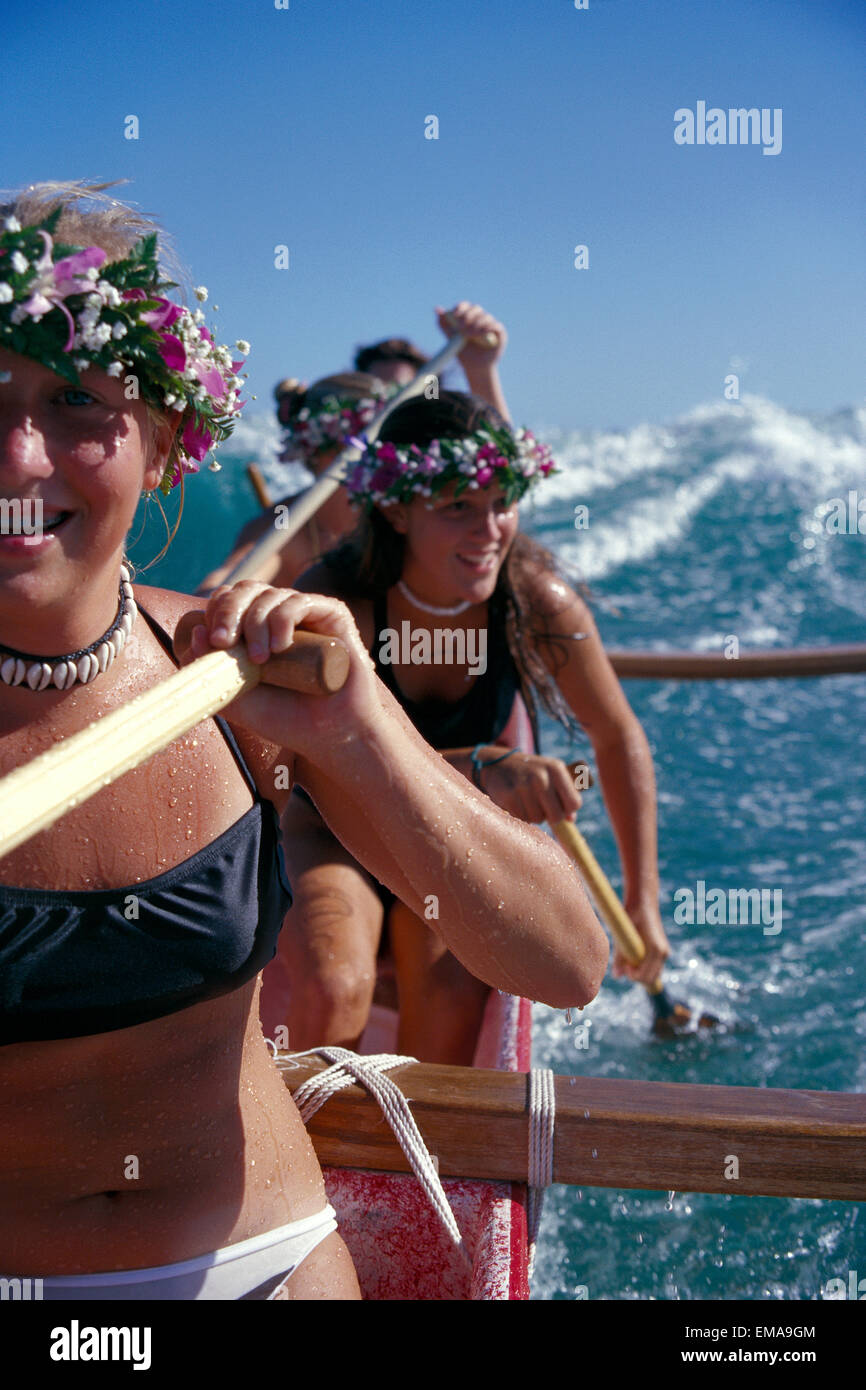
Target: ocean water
[706, 527]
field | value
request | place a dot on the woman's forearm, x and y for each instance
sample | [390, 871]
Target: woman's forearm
[484, 382]
[501, 894]
[627, 778]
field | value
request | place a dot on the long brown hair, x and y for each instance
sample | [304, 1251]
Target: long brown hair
[370, 561]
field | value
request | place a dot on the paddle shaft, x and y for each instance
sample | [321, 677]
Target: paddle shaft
[259, 486]
[34, 796]
[325, 486]
[623, 930]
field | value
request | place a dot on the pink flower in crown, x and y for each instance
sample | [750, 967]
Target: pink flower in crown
[162, 317]
[387, 452]
[196, 440]
[70, 274]
[53, 282]
[172, 352]
[483, 476]
[210, 377]
[488, 453]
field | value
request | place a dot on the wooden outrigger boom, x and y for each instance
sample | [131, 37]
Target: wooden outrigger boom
[645, 1135]
[756, 665]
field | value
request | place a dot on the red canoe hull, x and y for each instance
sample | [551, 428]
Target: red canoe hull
[399, 1247]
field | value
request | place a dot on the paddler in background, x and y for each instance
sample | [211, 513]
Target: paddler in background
[439, 550]
[318, 419]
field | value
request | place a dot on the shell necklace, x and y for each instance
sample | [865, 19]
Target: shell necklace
[62, 672]
[429, 607]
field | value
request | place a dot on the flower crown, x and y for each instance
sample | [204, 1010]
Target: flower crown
[387, 474]
[68, 309]
[330, 421]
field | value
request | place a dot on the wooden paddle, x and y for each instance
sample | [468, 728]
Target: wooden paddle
[259, 486]
[34, 796]
[645, 1135]
[326, 485]
[669, 1014]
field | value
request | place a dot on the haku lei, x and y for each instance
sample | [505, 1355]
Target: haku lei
[514, 459]
[330, 422]
[70, 308]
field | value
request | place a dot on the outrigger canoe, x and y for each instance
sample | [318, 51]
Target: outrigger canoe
[399, 1246]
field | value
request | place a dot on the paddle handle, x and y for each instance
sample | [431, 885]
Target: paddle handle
[313, 665]
[623, 929]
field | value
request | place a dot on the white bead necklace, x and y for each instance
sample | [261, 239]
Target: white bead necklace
[429, 607]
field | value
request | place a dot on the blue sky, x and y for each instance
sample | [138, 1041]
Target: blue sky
[305, 127]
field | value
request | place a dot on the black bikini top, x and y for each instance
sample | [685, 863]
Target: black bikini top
[77, 963]
[481, 714]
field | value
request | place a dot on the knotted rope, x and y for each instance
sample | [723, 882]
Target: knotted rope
[347, 1067]
[542, 1119]
[369, 1072]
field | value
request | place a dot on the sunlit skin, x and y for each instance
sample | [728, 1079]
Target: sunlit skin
[222, 1152]
[455, 548]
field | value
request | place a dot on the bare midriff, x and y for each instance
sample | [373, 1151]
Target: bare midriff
[148, 1145]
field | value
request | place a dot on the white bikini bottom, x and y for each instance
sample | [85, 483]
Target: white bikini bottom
[252, 1269]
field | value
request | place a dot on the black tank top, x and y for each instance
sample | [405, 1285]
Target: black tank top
[77, 963]
[482, 713]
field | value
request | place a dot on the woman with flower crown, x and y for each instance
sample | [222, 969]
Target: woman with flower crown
[150, 1148]
[466, 618]
[318, 420]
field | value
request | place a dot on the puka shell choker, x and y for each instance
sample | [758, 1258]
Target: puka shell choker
[62, 672]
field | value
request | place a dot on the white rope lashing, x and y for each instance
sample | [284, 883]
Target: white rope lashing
[348, 1067]
[542, 1120]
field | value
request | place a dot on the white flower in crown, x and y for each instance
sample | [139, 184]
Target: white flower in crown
[19, 263]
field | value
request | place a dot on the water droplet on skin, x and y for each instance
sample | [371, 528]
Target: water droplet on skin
[172, 801]
[586, 1114]
[595, 1153]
